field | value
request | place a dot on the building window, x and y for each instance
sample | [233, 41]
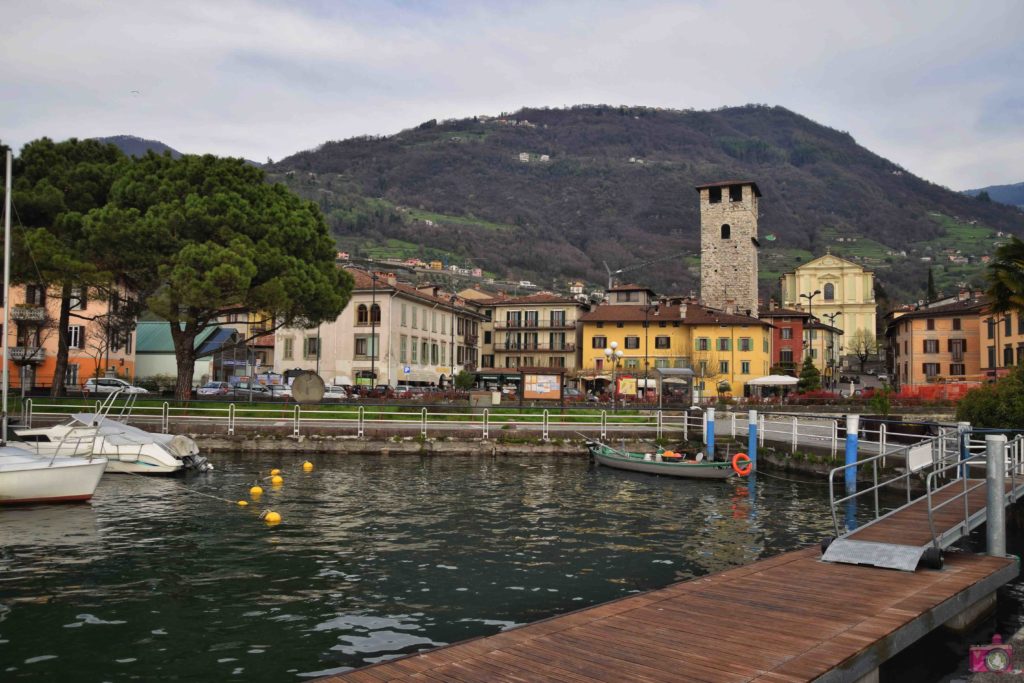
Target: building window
[830, 291]
[1007, 324]
[364, 345]
[599, 343]
[958, 369]
[703, 344]
[814, 354]
[930, 324]
[786, 356]
[362, 315]
[1008, 356]
[75, 336]
[956, 323]
[632, 363]
[930, 370]
[723, 367]
[726, 231]
[627, 297]
[433, 321]
[746, 344]
[435, 354]
[403, 314]
[403, 343]
[78, 299]
[991, 356]
[558, 318]
[35, 295]
[487, 361]
[786, 333]
[662, 342]
[703, 365]
[415, 315]
[632, 342]
[288, 348]
[957, 347]
[556, 361]
[724, 344]
[414, 346]
[715, 195]
[620, 325]
[991, 328]
[487, 337]
[735, 193]
[375, 315]
[71, 375]
[424, 352]
[312, 347]
[745, 367]
[931, 345]
[1020, 323]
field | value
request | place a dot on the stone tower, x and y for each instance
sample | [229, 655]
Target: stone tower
[728, 245]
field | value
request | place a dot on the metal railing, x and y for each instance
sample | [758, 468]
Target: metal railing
[914, 465]
[974, 454]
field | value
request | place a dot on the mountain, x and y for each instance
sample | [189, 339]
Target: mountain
[1004, 194]
[136, 147]
[550, 194]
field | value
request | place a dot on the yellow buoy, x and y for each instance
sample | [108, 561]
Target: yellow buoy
[307, 466]
[243, 503]
[271, 517]
[275, 471]
[256, 490]
[277, 480]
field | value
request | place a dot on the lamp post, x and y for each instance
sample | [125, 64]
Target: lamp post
[452, 301]
[614, 354]
[373, 332]
[832, 354]
[810, 306]
[647, 309]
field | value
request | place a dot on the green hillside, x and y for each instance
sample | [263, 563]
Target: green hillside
[615, 184]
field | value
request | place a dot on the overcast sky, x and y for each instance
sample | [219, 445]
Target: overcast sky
[936, 86]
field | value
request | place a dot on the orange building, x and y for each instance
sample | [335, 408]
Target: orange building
[936, 345]
[94, 350]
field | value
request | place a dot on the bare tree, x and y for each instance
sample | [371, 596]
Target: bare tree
[863, 345]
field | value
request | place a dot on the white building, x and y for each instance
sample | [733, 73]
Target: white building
[390, 333]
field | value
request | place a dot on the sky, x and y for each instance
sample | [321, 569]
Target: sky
[935, 86]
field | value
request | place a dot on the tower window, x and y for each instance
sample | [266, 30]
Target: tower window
[735, 193]
[726, 231]
[830, 292]
[715, 195]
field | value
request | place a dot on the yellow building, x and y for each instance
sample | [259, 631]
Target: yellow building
[836, 291]
[724, 350]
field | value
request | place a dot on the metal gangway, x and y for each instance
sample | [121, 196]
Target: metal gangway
[966, 475]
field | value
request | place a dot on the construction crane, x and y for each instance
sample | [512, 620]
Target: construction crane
[642, 264]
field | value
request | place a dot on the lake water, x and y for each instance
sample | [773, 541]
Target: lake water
[376, 557]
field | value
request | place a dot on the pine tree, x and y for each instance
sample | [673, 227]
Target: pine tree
[932, 293]
[810, 378]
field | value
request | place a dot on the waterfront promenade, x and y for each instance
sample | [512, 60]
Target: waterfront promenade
[785, 619]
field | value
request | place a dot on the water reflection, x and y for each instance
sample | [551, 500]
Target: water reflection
[376, 557]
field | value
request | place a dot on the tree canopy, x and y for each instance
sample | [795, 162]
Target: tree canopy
[1006, 277]
[810, 377]
[55, 185]
[203, 236]
[996, 405]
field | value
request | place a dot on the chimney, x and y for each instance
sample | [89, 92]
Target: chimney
[730, 306]
[682, 311]
[392, 280]
[772, 304]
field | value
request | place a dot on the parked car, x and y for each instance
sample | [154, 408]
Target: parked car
[333, 392]
[244, 390]
[883, 378]
[280, 391]
[572, 393]
[846, 379]
[214, 389]
[107, 385]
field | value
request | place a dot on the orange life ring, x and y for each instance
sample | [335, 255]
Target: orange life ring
[737, 459]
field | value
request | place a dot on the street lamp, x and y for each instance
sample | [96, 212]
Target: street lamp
[810, 309]
[832, 353]
[452, 301]
[647, 309]
[373, 332]
[614, 355]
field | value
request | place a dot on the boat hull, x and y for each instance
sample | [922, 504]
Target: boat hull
[30, 479]
[701, 470]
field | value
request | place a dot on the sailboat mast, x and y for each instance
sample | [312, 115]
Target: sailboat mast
[7, 294]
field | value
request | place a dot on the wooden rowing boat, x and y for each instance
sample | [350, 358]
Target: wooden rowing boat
[657, 463]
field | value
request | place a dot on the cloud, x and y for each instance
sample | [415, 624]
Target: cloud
[934, 87]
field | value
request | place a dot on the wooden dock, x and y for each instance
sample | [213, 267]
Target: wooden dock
[781, 620]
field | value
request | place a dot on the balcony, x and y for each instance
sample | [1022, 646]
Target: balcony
[534, 325]
[514, 347]
[470, 339]
[36, 314]
[27, 354]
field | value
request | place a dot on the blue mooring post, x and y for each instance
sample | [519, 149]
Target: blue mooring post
[852, 425]
[709, 437]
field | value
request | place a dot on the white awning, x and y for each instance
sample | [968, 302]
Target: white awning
[773, 381]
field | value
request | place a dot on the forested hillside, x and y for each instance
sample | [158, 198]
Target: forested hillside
[1004, 194]
[615, 184]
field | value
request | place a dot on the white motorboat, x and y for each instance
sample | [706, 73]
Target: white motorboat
[26, 474]
[28, 477]
[128, 449]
